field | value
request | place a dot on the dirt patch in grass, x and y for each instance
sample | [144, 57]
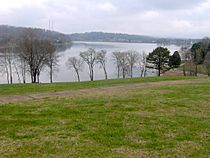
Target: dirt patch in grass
[104, 90]
[132, 153]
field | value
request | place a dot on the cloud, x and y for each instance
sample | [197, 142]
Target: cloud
[188, 18]
[107, 6]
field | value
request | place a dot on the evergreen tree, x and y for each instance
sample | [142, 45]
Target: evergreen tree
[175, 60]
[159, 59]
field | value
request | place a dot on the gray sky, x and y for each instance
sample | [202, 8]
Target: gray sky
[163, 18]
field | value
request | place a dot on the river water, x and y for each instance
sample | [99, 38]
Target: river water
[62, 74]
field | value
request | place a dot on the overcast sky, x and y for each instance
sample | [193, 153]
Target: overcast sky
[162, 18]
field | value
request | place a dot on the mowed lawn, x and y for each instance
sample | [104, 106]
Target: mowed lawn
[167, 121]
[22, 89]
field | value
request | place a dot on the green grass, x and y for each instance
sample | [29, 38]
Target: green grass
[167, 121]
[21, 89]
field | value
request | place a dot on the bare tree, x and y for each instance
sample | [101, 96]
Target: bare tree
[34, 52]
[52, 58]
[132, 58]
[124, 64]
[90, 58]
[142, 64]
[186, 56]
[76, 64]
[7, 59]
[4, 67]
[101, 59]
[207, 62]
[23, 69]
[17, 72]
[116, 56]
[121, 60]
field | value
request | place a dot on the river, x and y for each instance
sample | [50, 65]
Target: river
[62, 74]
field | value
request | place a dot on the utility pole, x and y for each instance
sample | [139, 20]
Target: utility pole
[49, 25]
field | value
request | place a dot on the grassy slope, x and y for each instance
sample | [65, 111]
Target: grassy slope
[170, 121]
[201, 69]
[19, 89]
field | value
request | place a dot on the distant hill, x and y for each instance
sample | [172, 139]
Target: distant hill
[118, 37]
[12, 32]
[110, 37]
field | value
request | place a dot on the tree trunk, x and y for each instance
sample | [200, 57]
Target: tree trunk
[17, 73]
[32, 79]
[118, 72]
[106, 77]
[159, 68]
[78, 76]
[7, 75]
[34, 76]
[131, 71]
[92, 75]
[10, 73]
[24, 76]
[31, 73]
[51, 73]
[145, 70]
[123, 73]
[196, 70]
[24, 73]
[184, 70]
[142, 73]
[24, 80]
[159, 72]
[38, 78]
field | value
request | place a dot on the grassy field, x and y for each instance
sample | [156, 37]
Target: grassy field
[168, 121]
[21, 89]
[201, 69]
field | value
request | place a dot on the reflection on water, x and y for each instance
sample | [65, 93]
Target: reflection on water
[65, 75]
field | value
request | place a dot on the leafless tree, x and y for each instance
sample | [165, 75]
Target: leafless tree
[52, 58]
[7, 59]
[23, 69]
[186, 56]
[124, 64]
[90, 58]
[207, 62]
[132, 58]
[76, 64]
[142, 64]
[116, 56]
[101, 59]
[4, 67]
[121, 60]
[34, 52]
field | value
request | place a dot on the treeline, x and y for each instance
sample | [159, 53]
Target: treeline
[125, 62]
[11, 32]
[196, 57]
[119, 37]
